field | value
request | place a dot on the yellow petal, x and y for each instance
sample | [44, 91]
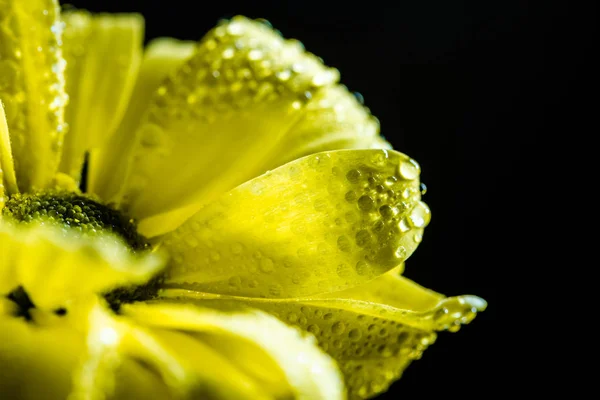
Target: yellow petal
[36, 362]
[319, 224]
[103, 54]
[256, 343]
[55, 267]
[373, 331]
[109, 163]
[247, 101]
[8, 182]
[32, 87]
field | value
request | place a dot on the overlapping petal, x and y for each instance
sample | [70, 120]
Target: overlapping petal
[161, 58]
[32, 87]
[55, 267]
[103, 54]
[319, 224]
[245, 102]
[373, 331]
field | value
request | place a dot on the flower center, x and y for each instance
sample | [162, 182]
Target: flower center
[76, 212]
[88, 217]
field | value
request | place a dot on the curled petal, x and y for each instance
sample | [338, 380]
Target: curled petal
[373, 331]
[319, 224]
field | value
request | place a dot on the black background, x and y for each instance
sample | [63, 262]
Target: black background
[475, 92]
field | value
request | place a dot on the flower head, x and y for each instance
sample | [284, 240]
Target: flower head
[239, 230]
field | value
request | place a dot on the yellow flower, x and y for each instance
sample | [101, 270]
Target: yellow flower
[227, 182]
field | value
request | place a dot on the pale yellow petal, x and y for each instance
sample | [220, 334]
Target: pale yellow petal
[319, 224]
[32, 87]
[245, 102]
[8, 182]
[55, 267]
[103, 54]
[309, 373]
[109, 163]
[36, 362]
[373, 331]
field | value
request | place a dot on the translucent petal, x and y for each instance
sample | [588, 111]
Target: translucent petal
[318, 224]
[55, 267]
[255, 342]
[32, 87]
[103, 54]
[109, 163]
[373, 331]
[8, 183]
[247, 101]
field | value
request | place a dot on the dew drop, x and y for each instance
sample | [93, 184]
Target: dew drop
[363, 238]
[267, 265]
[362, 268]
[314, 329]
[420, 215]
[338, 328]
[409, 169]
[354, 334]
[423, 188]
[292, 317]
[344, 244]
[353, 176]
[365, 203]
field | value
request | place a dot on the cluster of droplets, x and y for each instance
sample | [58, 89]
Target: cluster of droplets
[238, 64]
[30, 35]
[390, 216]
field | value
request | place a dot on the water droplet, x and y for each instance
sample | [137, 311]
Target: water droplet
[292, 317]
[343, 271]
[423, 188]
[409, 169]
[418, 238]
[388, 212]
[327, 316]
[351, 196]
[362, 268]
[237, 248]
[365, 203]
[353, 176]
[344, 244]
[338, 328]
[267, 265]
[151, 135]
[379, 159]
[420, 215]
[215, 256]
[403, 225]
[355, 334]
[235, 281]
[363, 238]
[314, 329]
[400, 253]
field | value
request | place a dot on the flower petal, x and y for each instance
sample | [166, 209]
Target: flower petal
[8, 182]
[55, 267]
[257, 344]
[103, 54]
[36, 362]
[109, 163]
[318, 224]
[32, 87]
[233, 109]
[373, 332]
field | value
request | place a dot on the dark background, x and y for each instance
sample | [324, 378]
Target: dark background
[475, 92]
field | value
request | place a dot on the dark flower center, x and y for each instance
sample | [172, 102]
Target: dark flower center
[76, 212]
[88, 217]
